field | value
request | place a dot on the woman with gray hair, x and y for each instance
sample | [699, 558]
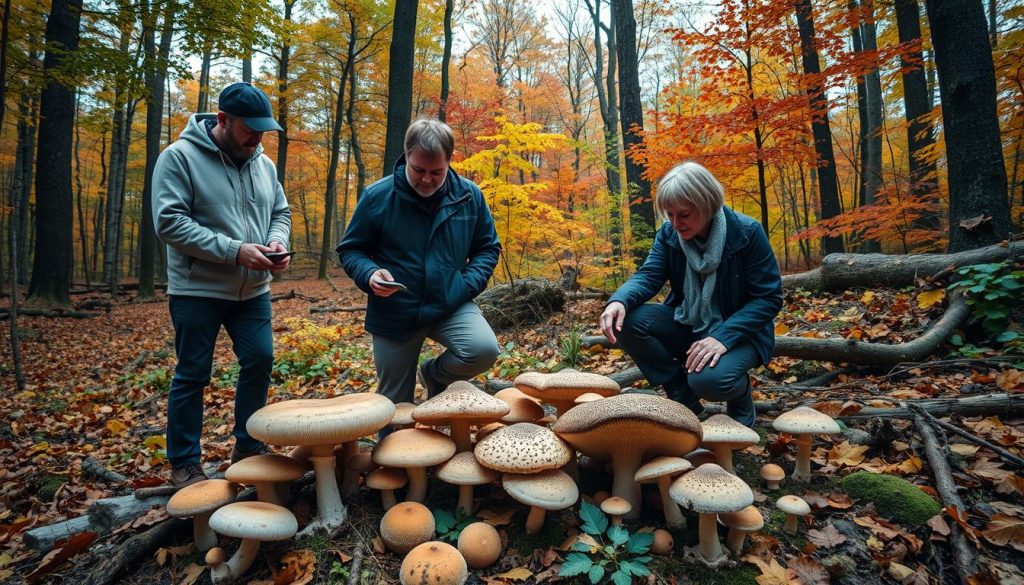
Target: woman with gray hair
[725, 289]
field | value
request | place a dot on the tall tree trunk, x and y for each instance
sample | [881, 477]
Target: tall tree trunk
[353, 139]
[79, 188]
[873, 152]
[51, 269]
[641, 211]
[12, 230]
[862, 106]
[978, 211]
[446, 56]
[828, 181]
[993, 24]
[755, 119]
[282, 94]
[203, 103]
[401, 57]
[115, 192]
[23, 176]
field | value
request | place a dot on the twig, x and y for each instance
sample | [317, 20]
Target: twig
[357, 564]
[1010, 457]
[93, 467]
[337, 309]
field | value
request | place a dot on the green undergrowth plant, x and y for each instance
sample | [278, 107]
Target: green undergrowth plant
[570, 348]
[993, 292]
[449, 526]
[607, 553]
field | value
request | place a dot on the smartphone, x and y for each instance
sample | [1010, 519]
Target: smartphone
[276, 257]
[392, 284]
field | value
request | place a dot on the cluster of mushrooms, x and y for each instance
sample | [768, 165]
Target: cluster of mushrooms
[506, 438]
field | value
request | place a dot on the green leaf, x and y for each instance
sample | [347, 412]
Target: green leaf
[576, 564]
[956, 340]
[634, 567]
[594, 520]
[581, 547]
[996, 314]
[640, 542]
[596, 573]
[1006, 336]
[621, 578]
[443, 520]
[618, 534]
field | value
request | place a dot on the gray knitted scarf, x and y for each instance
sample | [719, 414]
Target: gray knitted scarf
[699, 285]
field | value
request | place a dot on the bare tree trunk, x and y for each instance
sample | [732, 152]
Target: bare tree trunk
[23, 176]
[353, 139]
[872, 178]
[446, 56]
[82, 227]
[400, 67]
[12, 228]
[282, 94]
[203, 103]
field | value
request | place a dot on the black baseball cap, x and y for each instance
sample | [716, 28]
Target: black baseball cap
[249, 103]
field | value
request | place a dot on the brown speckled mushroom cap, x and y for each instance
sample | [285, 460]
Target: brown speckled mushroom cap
[414, 448]
[464, 469]
[551, 489]
[406, 525]
[256, 520]
[709, 489]
[434, 563]
[403, 414]
[793, 505]
[461, 400]
[265, 468]
[522, 407]
[721, 429]
[661, 466]
[565, 385]
[319, 421]
[201, 497]
[386, 478]
[772, 472]
[522, 448]
[804, 419]
[748, 519]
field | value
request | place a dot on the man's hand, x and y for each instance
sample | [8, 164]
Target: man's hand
[283, 263]
[251, 256]
[382, 291]
[611, 320]
[704, 352]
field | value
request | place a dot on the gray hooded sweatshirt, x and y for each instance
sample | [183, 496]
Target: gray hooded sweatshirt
[205, 208]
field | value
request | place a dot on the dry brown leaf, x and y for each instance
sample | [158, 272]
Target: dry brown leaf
[762, 545]
[516, 574]
[963, 449]
[961, 519]
[899, 571]
[827, 537]
[911, 465]
[847, 454]
[938, 525]
[1003, 530]
[378, 546]
[56, 557]
[1011, 380]
[808, 571]
[300, 565]
[191, 574]
[496, 519]
[1011, 484]
[989, 469]
[1007, 508]
[772, 573]
[344, 558]
[840, 501]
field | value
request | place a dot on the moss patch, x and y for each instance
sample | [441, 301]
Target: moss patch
[699, 574]
[893, 497]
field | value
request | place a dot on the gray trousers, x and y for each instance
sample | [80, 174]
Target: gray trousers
[471, 349]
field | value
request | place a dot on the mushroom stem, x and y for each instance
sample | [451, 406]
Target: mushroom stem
[331, 512]
[387, 499]
[205, 537]
[535, 520]
[349, 477]
[734, 540]
[710, 548]
[624, 469]
[466, 499]
[417, 484]
[803, 457]
[616, 519]
[240, 562]
[771, 484]
[461, 435]
[266, 491]
[723, 456]
[673, 515]
[791, 524]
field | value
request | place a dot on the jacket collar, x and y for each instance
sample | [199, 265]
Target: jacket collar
[735, 237]
[456, 190]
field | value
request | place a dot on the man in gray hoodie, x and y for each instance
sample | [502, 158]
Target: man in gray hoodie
[218, 206]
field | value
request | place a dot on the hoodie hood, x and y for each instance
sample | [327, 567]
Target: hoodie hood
[195, 132]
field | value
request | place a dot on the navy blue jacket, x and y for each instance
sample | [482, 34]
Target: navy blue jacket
[748, 287]
[445, 260]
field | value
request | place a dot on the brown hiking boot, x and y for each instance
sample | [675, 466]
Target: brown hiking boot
[237, 454]
[187, 475]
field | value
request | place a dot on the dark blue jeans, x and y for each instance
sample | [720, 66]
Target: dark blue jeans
[658, 344]
[197, 322]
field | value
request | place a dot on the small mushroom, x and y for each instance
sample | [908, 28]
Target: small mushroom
[748, 519]
[414, 450]
[253, 522]
[199, 501]
[465, 471]
[772, 474]
[461, 406]
[406, 526]
[616, 507]
[710, 490]
[387, 480]
[663, 542]
[267, 473]
[551, 489]
[436, 563]
[661, 470]
[722, 435]
[804, 421]
[480, 545]
[795, 508]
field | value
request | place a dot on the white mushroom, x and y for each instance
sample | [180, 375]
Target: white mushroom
[804, 421]
[253, 522]
[551, 489]
[722, 435]
[199, 501]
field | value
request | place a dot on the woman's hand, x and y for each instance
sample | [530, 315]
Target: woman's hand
[611, 320]
[702, 352]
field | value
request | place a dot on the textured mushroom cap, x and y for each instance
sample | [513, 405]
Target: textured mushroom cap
[699, 457]
[721, 429]
[522, 448]
[588, 397]
[461, 400]
[487, 429]
[511, 394]
[321, 421]
[262, 468]
[201, 497]
[386, 478]
[464, 469]
[565, 385]
[661, 466]
[804, 419]
[405, 526]
[414, 448]
[747, 519]
[216, 556]
[772, 472]
[551, 489]
[434, 563]
[663, 542]
[522, 407]
[403, 413]
[643, 424]
[616, 506]
[257, 520]
[480, 545]
[793, 505]
[709, 489]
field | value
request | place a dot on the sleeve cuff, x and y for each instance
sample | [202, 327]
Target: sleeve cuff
[233, 247]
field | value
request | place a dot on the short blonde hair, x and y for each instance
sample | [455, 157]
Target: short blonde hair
[690, 183]
[432, 136]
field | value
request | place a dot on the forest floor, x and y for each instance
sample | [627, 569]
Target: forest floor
[96, 387]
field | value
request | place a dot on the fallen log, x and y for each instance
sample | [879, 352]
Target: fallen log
[965, 557]
[52, 313]
[337, 309]
[43, 538]
[137, 547]
[1004, 405]
[1006, 455]
[524, 302]
[109, 513]
[92, 467]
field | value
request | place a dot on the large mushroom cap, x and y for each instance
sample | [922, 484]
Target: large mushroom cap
[461, 400]
[522, 448]
[255, 520]
[406, 525]
[321, 421]
[265, 468]
[660, 467]
[403, 414]
[709, 489]
[804, 419]
[551, 489]
[793, 505]
[564, 386]
[721, 429]
[464, 469]
[414, 448]
[201, 497]
[434, 563]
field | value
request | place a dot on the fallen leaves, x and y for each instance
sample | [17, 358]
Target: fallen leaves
[772, 573]
[1004, 530]
[827, 537]
[847, 454]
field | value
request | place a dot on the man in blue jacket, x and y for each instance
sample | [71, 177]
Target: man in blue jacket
[422, 245]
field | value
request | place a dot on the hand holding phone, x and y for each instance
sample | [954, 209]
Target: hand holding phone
[277, 257]
[391, 284]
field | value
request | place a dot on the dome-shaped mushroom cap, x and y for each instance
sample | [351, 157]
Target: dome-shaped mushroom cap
[263, 468]
[403, 413]
[566, 384]
[386, 478]
[652, 424]
[699, 457]
[721, 429]
[201, 497]
[588, 397]
[434, 563]
[709, 489]
[480, 545]
[661, 466]
[258, 520]
[522, 407]
[747, 519]
[616, 506]
[551, 489]
[772, 472]
[793, 505]
[406, 525]
[318, 421]
[522, 448]
[464, 469]
[461, 400]
[414, 448]
[804, 419]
